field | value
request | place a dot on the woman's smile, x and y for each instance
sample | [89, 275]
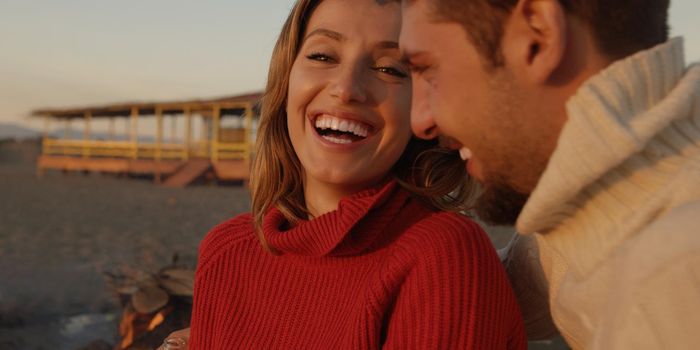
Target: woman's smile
[341, 128]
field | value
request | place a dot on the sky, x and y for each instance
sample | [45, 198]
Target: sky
[63, 53]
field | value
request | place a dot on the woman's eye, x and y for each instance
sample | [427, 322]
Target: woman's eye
[391, 71]
[321, 57]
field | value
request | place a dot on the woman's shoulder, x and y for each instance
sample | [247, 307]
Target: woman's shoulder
[447, 235]
[225, 236]
[445, 227]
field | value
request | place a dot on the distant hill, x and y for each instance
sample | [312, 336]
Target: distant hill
[15, 132]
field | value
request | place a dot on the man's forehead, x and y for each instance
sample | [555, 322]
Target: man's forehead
[413, 37]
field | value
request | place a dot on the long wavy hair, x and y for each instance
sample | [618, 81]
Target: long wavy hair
[430, 172]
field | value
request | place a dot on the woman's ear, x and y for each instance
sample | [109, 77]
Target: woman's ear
[535, 38]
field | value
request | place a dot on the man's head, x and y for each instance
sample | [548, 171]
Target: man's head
[494, 75]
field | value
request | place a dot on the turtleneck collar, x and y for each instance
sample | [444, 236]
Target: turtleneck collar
[348, 230]
[611, 117]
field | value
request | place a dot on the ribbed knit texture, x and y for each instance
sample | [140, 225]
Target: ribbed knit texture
[616, 210]
[381, 271]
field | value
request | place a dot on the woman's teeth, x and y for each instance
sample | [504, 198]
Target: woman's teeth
[325, 122]
[337, 140]
[465, 153]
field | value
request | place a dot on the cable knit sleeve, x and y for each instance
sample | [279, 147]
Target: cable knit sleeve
[663, 313]
[456, 295]
[654, 301]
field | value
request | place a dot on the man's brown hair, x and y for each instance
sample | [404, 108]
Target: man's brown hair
[619, 27]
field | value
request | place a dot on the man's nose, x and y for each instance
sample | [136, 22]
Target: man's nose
[422, 121]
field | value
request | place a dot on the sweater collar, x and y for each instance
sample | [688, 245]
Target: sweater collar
[611, 117]
[336, 233]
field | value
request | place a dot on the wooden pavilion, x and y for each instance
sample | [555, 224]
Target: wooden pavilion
[221, 150]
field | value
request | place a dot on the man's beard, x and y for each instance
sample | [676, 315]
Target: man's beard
[500, 204]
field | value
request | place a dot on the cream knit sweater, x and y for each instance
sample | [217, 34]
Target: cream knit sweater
[617, 210]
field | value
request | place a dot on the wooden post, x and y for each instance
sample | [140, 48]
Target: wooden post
[112, 135]
[134, 133]
[216, 118]
[45, 134]
[86, 134]
[47, 122]
[44, 146]
[159, 141]
[173, 128]
[159, 132]
[127, 127]
[188, 132]
[67, 131]
[248, 131]
[204, 131]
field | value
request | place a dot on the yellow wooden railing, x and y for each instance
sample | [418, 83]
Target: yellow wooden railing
[221, 143]
[131, 150]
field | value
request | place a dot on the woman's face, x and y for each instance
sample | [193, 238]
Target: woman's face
[348, 109]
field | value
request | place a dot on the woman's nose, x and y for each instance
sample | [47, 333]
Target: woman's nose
[350, 85]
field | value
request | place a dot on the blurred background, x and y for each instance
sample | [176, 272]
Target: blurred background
[65, 235]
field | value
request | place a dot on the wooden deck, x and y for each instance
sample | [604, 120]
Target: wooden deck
[109, 165]
[222, 150]
[177, 173]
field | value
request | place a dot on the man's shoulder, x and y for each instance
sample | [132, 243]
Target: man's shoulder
[671, 238]
[676, 230]
[683, 220]
[653, 299]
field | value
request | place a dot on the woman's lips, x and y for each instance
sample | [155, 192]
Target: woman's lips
[339, 127]
[329, 122]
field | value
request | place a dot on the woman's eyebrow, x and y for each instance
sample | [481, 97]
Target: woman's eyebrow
[326, 32]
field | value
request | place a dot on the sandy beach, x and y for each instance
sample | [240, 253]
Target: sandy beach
[59, 234]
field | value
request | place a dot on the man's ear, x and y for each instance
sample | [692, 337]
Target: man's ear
[535, 38]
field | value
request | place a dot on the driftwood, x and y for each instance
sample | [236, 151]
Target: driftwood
[154, 304]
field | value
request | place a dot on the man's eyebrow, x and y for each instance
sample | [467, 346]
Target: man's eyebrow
[326, 32]
[408, 56]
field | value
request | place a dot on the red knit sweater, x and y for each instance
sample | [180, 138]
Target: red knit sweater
[382, 271]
